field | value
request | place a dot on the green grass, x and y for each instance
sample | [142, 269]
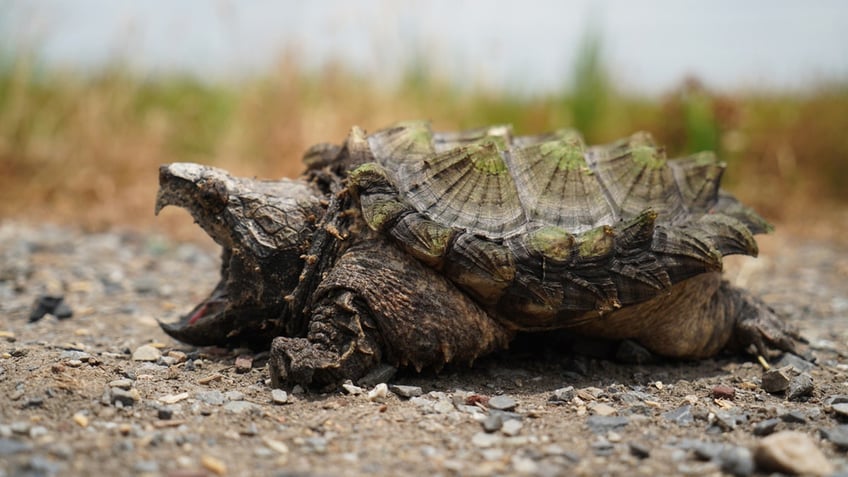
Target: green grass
[85, 148]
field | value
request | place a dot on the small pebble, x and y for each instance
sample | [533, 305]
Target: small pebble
[406, 391]
[81, 419]
[126, 398]
[278, 396]
[793, 453]
[484, 440]
[562, 395]
[766, 427]
[602, 409]
[243, 363]
[275, 445]
[50, 304]
[121, 383]
[736, 460]
[840, 409]
[146, 353]
[800, 364]
[723, 392]
[640, 450]
[797, 417]
[603, 424]
[502, 402]
[800, 387]
[380, 392]
[213, 464]
[681, 416]
[492, 423]
[511, 427]
[234, 395]
[776, 380]
[165, 413]
[352, 389]
[214, 397]
[173, 398]
[838, 436]
[238, 407]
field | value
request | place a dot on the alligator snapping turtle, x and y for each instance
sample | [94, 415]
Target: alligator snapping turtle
[418, 248]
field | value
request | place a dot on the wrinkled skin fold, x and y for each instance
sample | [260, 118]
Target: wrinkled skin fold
[420, 249]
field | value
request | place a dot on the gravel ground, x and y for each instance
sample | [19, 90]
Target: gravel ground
[104, 392]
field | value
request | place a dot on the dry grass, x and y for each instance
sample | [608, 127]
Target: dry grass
[85, 150]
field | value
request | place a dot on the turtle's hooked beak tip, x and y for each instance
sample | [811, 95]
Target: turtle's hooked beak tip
[167, 185]
[191, 186]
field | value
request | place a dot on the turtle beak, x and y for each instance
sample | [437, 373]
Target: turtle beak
[195, 187]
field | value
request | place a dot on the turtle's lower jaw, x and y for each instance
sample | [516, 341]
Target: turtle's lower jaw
[208, 323]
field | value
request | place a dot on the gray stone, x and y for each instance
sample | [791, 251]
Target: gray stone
[704, 450]
[800, 387]
[406, 391]
[502, 402]
[841, 409]
[796, 417]
[234, 395]
[800, 364]
[511, 427]
[776, 380]
[603, 424]
[602, 448]
[278, 396]
[352, 389]
[838, 435]
[766, 427]
[213, 397]
[727, 421]
[492, 423]
[736, 460]
[562, 395]
[121, 383]
[681, 416]
[639, 449]
[13, 446]
[146, 466]
[836, 399]
[123, 396]
[485, 440]
[239, 407]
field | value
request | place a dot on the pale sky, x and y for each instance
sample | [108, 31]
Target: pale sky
[527, 47]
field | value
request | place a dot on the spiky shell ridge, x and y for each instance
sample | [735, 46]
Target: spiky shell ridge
[543, 227]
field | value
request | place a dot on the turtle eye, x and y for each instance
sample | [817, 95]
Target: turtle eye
[213, 193]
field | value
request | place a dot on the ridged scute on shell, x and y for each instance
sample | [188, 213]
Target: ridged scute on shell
[545, 226]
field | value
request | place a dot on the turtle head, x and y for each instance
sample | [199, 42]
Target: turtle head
[264, 229]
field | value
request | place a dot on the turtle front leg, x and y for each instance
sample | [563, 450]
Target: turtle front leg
[757, 327]
[378, 304]
[342, 343]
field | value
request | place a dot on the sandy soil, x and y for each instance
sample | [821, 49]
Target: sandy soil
[74, 400]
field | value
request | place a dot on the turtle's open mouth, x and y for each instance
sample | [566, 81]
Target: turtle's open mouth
[217, 320]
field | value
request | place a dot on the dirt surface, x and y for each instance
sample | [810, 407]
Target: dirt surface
[78, 396]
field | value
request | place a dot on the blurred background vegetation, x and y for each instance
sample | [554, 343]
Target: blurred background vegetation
[84, 148]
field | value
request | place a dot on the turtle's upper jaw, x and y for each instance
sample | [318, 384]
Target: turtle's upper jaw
[264, 228]
[202, 190]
